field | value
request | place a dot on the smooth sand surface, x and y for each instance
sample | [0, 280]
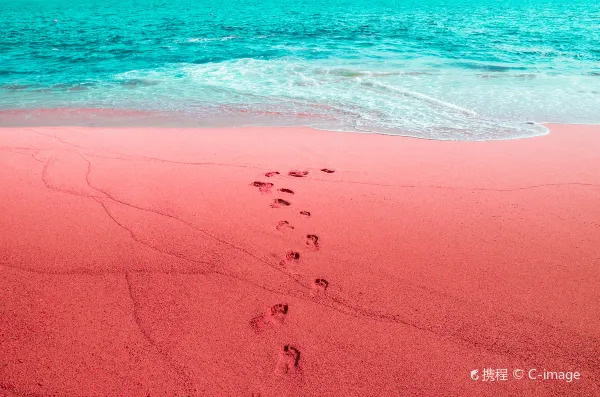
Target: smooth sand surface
[138, 262]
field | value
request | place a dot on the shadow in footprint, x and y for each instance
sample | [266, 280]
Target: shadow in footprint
[289, 360]
[297, 173]
[320, 287]
[293, 353]
[278, 203]
[284, 190]
[271, 173]
[292, 258]
[292, 255]
[275, 315]
[284, 225]
[305, 213]
[312, 241]
[278, 312]
[264, 187]
[327, 170]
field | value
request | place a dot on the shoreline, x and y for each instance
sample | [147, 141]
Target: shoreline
[143, 262]
[131, 118]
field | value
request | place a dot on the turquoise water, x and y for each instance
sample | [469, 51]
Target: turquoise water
[433, 69]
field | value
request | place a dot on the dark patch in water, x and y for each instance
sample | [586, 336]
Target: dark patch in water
[72, 87]
[78, 88]
[134, 83]
[16, 87]
[488, 67]
[13, 72]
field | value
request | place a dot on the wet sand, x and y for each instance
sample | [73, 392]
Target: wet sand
[294, 262]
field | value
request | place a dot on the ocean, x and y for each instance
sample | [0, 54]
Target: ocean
[436, 69]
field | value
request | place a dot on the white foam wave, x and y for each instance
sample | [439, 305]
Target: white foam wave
[411, 100]
[209, 39]
[425, 98]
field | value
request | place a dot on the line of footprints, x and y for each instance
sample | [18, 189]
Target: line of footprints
[289, 358]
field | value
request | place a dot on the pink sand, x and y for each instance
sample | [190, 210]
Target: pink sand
[140, 262]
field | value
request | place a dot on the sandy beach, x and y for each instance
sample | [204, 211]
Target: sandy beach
[262, 262]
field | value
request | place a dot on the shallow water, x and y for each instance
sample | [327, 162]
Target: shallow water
[432, 69]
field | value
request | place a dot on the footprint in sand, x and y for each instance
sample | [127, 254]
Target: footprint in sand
[289, 360]
[305, 213]
[264, 187]
[284, 225]
[273, 316]
[328, 170]
[312, 241]
[284, 190]
[298, 174]
[292, 258]
[278, 312]
[271, 173]
[278, 203]
[320, 286]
